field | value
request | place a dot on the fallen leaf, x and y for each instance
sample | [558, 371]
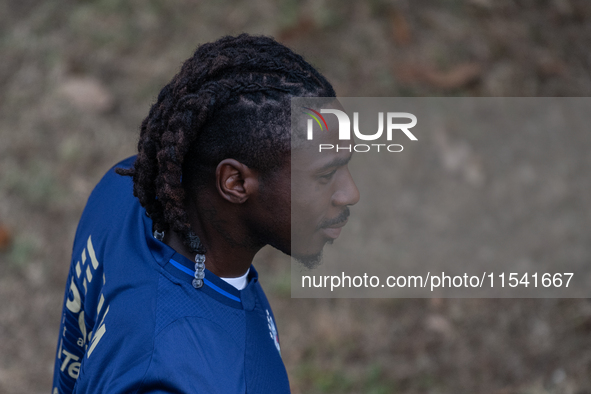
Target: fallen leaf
[436, 302]
[486, 4]
[304, 26]
[455, 78]
[5, 238]
[87, 94]
[563, 7]
[458, 157]
[401, 33]
[408, 73]
[439, 324]
[459, 76]
[550, 68]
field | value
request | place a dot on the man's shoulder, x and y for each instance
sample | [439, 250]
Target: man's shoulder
[113, 185]
[110, 198]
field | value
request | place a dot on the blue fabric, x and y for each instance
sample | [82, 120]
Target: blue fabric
[133, 323]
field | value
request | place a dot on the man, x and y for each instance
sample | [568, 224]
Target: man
[161, 295]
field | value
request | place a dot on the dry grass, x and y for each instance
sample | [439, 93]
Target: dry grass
[77, 77]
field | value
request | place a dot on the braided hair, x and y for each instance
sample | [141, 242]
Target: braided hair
[231, 99]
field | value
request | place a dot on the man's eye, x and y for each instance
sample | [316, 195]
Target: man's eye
[327, 177]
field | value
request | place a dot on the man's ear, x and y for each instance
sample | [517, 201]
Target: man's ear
[235, 182]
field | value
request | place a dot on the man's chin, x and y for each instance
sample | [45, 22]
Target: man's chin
[309, 261]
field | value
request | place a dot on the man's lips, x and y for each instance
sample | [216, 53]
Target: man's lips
[334, 230]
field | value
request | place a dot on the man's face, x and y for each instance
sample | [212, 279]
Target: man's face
[321, 191]
[305, 203]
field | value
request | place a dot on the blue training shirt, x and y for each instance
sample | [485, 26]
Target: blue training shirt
[133, 323]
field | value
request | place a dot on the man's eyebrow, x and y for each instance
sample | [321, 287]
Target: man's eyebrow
[336, 163]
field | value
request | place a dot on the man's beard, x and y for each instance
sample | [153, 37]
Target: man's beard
[314, 260]
[311, 261]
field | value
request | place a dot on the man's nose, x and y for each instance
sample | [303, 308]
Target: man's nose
[347, 192]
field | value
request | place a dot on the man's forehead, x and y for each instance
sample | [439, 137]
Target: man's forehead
[310, 158]
[306, 153]
[310, 109]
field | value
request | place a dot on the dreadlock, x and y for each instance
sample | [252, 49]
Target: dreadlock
[231, 99]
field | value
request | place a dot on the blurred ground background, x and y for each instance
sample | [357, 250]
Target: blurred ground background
[77, 78]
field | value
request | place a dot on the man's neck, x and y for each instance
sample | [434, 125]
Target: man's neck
[222, 259]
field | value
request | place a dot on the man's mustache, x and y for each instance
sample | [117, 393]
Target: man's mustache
[339, 219]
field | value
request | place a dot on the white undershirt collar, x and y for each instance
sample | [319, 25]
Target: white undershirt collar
[240, 282]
